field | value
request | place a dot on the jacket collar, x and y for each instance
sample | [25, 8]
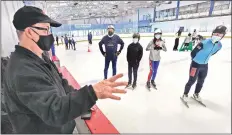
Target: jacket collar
[27, 53]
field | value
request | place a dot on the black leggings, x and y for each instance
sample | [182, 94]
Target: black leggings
[133, 67]
[197, 72]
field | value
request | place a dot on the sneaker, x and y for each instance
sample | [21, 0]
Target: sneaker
[134, 85]
[128, 85]
[197, 97]
[185, 97]
[153, 84]
[149, 85]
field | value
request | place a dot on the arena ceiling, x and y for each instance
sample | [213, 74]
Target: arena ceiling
[76, 10]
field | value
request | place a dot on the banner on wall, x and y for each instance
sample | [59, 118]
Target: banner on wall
[82, 26]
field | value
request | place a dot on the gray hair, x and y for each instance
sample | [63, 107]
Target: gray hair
[19, 33]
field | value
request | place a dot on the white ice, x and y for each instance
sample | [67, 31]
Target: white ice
[159, 111]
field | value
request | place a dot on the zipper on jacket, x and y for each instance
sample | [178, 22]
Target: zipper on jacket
[209, 54]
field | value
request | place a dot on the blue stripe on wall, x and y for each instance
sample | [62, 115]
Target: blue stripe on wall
[211, 7]
[177, 9]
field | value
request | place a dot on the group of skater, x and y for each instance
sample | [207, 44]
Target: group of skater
[70, 42]
[202, 52]
[190, 40]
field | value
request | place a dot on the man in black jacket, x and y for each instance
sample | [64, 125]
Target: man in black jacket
[134, 55]
[38, 100]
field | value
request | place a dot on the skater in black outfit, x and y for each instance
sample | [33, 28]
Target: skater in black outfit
[200, 57]
[57, 40]
[178, 34]
[134, 55]
[70, 43]
[73, 43]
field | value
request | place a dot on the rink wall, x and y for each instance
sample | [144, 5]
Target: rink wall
[184, 34]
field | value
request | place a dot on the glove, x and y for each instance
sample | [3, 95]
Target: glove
[117, 53]
[104, 54]
[157, 48]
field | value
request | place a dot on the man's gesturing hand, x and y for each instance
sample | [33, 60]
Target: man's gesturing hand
[106, 88]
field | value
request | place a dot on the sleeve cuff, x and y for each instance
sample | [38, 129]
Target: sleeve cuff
[92, 93]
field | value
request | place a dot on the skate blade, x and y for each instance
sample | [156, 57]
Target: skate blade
[200, 102]
[185, 103]
[149, 89]
[155, 87]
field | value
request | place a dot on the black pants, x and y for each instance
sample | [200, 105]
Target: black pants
[186, 44]
[133, 67]
[70, 45]
[197, 72]
[57, 42]
[176, 44]
[90, 42]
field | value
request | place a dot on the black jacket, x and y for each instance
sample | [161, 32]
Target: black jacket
[134, 53]
[38, 100]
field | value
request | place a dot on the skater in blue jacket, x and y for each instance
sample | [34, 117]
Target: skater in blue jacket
[200, 57]
[111, 53]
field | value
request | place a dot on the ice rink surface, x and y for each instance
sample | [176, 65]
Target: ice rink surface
[159, 111]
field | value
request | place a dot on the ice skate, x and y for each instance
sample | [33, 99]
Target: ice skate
[128, 85]
[184, 99]
[134, 86]
[148, 85]
[153, 84]
[197, 98]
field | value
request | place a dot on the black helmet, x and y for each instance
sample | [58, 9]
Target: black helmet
[220, 29]
[200, 37]
[136, 35]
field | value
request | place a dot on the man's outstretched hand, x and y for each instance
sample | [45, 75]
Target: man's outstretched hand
[106, 88]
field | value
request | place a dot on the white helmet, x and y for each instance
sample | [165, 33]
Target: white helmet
[157, 31]
[110, 27]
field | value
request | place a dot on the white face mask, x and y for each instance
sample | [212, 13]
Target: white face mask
[215, 39]
[158, 36]
[135, 40]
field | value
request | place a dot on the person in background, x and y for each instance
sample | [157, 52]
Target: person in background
[90, 40]
[187, 40]
[73, 42]
[194, 35]
[62, 40]
[70, 43]
[200, 57]
[134, 55]
[178, 34]
[111, 53]
[155, 46]
[90, 36]
[38, 99]
[66, 42]
[57, 40]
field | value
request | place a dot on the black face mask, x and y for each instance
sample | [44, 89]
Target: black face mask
[45, 42]
[110, 33]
